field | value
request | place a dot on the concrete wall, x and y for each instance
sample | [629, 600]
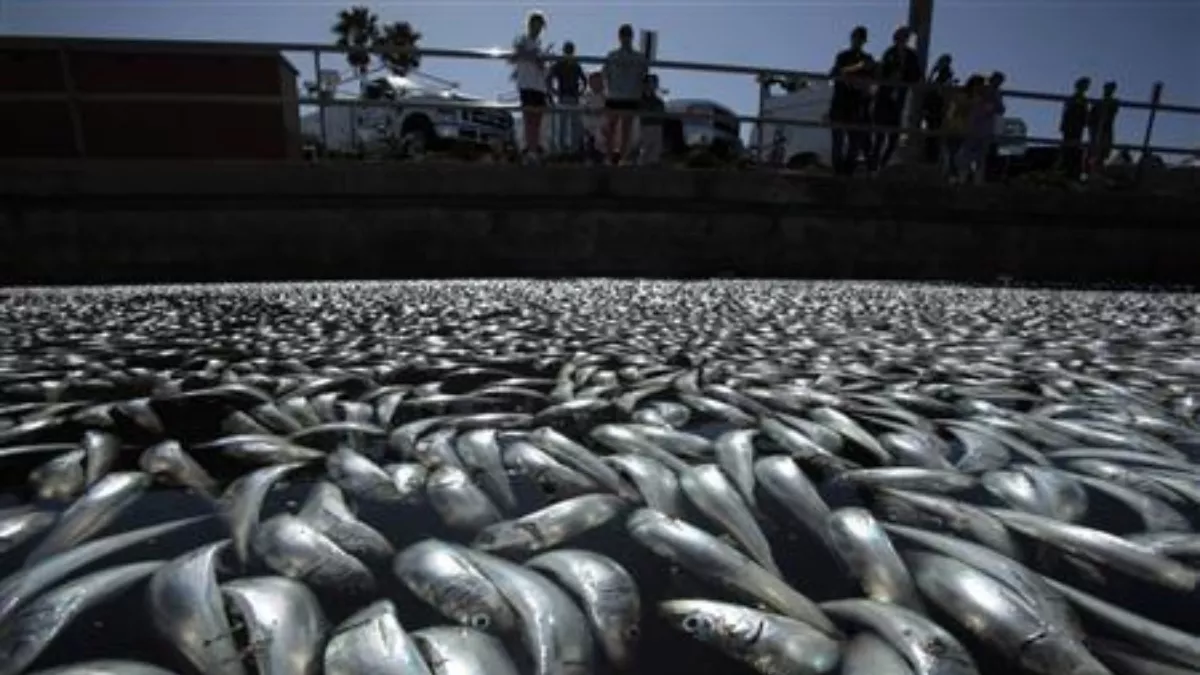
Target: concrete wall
[150, 222]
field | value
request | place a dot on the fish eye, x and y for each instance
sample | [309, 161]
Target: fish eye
[481, 622]
[691, 624]
[633, 632]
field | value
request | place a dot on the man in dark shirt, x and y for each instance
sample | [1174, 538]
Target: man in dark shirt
[1072, 125]
[935, 105]
[565, 82]
[899, 63]
[851, 103]
[1101, 119]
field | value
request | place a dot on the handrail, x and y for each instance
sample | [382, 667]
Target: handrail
[497, 54]
[65, 45]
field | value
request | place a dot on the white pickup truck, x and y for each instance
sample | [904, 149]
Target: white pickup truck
[412, 123]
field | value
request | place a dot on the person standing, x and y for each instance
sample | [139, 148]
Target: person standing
[566, 83]
[1072, 124]
[995, 94]
[980, 128]
[851, 103]
[529, 70]
[595, 144]
[936, 102]
[899, 63]
[1101, 119]
[625, 71]
[651, 133]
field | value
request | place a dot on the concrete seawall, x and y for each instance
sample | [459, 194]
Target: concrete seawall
[185, 222]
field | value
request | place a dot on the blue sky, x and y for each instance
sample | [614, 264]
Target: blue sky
[1043, 45]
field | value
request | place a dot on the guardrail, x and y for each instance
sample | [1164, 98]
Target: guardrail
[64, 46]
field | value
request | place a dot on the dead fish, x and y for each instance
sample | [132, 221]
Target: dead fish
[735, 455]
[284, 620]
[480, 454]
[19, 524]
[707, 489]
[372, 640]
[460, 503]
[361, 477]
[780, 478]
[409, 479]
[553, 477]
[463, 651]
[928, 648]
[91, 513]
[623, 439]
[187, 609]
[656, 484]
[242, 502]
[910, 478]
[579, 458]
[443, 577]
[33, 627]
[550, 526]
[917, 509]
[168, 459]
[102, 449]
[295, 549]
[850, 430]
[60, 478]
[865, 549]
[262, 450]
[326, 511]
[106, 667]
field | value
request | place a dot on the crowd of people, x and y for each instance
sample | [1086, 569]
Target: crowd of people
[866, 112]
[608, 100]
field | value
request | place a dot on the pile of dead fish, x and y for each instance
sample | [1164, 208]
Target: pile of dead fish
[1017, 493]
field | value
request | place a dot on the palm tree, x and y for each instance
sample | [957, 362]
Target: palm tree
[399, 35]
[357, 28]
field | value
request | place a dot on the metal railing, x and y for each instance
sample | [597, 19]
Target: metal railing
[64, 46]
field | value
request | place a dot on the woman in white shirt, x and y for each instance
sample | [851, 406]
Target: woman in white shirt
[530, 73]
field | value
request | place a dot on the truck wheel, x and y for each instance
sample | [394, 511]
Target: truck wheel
[416, 135]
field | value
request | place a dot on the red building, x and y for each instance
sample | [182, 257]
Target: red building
[80, 101]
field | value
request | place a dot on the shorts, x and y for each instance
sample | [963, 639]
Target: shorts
[533, 98]
[618, 104]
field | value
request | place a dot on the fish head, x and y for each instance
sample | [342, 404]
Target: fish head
[728, 627]
[507, 538]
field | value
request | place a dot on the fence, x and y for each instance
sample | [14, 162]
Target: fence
[1154, 106]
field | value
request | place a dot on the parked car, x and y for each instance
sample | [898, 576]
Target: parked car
[413, 124]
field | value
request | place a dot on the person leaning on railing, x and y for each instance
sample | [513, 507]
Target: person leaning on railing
[1102, 118]
[1072, 124]
[935, 104]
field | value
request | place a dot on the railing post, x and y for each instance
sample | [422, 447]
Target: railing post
[764, 91]
[72, 104]
[320, 101]
[1155, 100]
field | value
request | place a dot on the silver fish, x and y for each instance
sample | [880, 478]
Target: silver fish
[1061, 493]
[284, 620]
[1133, 457]
[657, 485]
[707, 488]
[106, 667]
[1123, 475]
[1172, 544]
[771, 643]
[242, 502]
[1020, 579]
[262, 450]
[1126, 662]
[1161, 639]
[19, 524]
[820, 434]
[452, 650]
[911, 448]
[581, 459]
[61, 477]
[717, 409]
[325, 509]
[679, 443]
[1156, 515]
[780, 478]
[608, 595]
[624, 439]
[930, 650]
[24, 584]
[735, 455]
[965, 520]
[549, 526]
[850, 430]
[553, 629]
[1000, 617]
[31, 630]
[402, 440]
[91, 513]
[168, 459]
[1103, 548]
[102, 449]
[273, 417]
[359, 476]
[980, 453]
[552, 476]
[868, 654]
[710, 558]
[186, 608]
[800, 446]
[440, 575]
[372, 641]
[481, 455]
[409, 479]
[866, 550]
[295, 549]
[460, 504]
[910, 478]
